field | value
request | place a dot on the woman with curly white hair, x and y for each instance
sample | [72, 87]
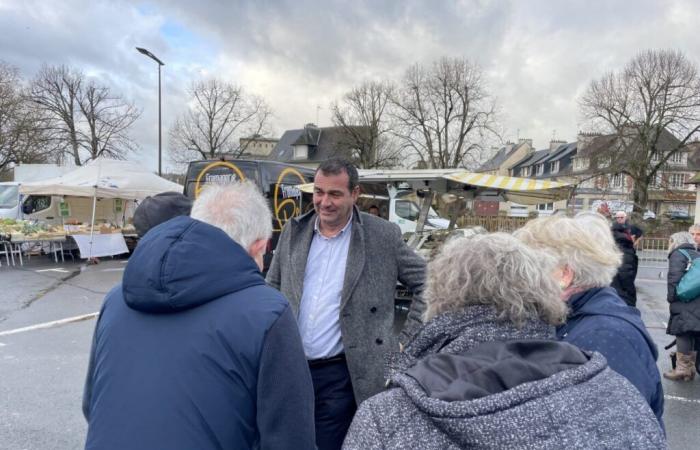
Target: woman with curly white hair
[486, 372]
[599, 320]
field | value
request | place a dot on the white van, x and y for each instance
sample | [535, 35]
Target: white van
[401, 208]
[10, 201]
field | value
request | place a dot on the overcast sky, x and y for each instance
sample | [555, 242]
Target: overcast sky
[538, 56]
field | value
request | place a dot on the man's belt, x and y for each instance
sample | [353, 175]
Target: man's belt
[313, 363]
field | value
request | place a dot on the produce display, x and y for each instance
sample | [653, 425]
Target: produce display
[29, 230]
[21, 230]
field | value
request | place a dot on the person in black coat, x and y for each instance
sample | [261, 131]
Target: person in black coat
[623, 282]
[684, 322]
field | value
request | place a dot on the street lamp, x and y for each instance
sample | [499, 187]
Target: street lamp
[160, 63]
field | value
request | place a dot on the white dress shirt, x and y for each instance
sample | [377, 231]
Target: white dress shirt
[319, 312]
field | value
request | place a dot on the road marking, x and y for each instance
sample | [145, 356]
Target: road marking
[61, 270]
[682, 399]
[2, 345]
[117, 269]
[51, 324]
[651, 280]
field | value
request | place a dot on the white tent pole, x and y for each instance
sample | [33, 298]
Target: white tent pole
[94, 206]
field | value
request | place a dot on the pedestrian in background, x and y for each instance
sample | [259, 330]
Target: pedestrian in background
[623, 281]
[487, 372]
[193, 350]
[339, 268]
[599, 320]
[684, 320]
[160, 208]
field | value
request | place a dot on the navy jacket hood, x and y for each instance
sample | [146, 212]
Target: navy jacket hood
[162, 274]
[590, 303]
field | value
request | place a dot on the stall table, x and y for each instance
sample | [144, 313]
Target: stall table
[110, 244]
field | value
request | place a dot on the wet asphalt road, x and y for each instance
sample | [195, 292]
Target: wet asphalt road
[42, 370]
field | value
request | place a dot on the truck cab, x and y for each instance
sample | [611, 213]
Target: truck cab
[10, 201]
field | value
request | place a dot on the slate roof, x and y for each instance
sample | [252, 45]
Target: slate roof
[323, 143]
[561, 152]
[495, 162]
[531, 159]
[499, 158]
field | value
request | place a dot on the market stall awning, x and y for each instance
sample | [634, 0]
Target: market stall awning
[104, 178]
[515, 189]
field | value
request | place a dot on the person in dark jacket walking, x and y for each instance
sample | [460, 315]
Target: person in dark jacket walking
[598, 318]
[623, 282]
[193, 350]
[486, 372]
[684, 320]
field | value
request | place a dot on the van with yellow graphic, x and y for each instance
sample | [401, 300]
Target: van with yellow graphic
[277, 181]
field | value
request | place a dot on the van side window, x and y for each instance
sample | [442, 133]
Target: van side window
[407, 210]
[36, 203]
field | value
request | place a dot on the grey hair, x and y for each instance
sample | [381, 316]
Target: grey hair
[497, 270]
[680, 238]
[239, 209]
[695, 227]
[584, 244]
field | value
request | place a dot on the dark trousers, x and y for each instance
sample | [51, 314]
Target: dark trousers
[335, 403]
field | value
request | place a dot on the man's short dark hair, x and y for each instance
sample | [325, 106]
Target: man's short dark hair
[336, 166]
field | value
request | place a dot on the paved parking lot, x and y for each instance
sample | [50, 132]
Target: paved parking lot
[46, 322]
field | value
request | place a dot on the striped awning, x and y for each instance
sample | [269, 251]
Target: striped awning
[506, 183]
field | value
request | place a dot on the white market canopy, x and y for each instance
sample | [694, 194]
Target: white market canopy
[104, 178]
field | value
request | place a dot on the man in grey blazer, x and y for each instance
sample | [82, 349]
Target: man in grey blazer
[338, 267]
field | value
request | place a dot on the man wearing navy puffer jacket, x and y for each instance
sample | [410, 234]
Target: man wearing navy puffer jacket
[193, 350]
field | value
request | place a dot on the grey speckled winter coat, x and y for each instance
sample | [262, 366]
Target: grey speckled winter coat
[468, 380]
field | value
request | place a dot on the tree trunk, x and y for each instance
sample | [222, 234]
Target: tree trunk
[640, 197]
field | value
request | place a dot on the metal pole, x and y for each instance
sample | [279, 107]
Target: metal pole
[159, 126]
[160, 149]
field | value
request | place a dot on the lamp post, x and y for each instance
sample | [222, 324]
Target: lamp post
[160, 63]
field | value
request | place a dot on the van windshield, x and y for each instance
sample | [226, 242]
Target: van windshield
[9, 196]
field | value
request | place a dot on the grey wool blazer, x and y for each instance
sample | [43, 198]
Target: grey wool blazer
[377, 258]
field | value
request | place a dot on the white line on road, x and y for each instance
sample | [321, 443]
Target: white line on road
[651, 280]
[2, 345]
[681, 399]
[116, 269]
[54, 270]
[51, 324]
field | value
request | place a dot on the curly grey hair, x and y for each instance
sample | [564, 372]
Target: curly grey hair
[678, 239]
[238, 208]
[497, 270]
[584, 244]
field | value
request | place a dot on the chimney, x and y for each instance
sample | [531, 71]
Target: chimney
[525, 141]
[553, 144]
[583, 139]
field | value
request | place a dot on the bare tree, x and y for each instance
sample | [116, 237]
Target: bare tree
[81, 118]
[652, 108]
[362, 114]
[56, 93]
[220, 113]
[107, 121]
[444, 113]
[20, 133]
